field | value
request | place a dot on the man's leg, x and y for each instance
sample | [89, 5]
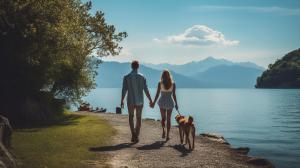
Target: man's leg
[131, 122]
[139, 110]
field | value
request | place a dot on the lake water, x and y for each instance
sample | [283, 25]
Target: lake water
[266, 120]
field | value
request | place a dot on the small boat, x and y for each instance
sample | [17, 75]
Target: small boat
[87, 107]
[99, 110]
[84, 107]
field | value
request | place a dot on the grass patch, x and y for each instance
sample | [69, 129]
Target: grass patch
[63, 144]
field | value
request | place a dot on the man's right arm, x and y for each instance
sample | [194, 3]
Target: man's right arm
[124, 91]
[146, 90]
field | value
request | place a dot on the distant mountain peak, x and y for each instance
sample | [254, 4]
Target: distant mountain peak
[195, 67]
[216, 60]
[209, 58]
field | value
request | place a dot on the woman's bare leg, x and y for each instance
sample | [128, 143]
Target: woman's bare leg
[163, 121]
[169, 113]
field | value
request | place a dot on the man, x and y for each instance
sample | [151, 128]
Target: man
[135, 83]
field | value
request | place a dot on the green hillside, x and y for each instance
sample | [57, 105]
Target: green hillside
[284, 73]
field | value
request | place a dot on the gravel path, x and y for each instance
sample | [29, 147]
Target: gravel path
[153, 151]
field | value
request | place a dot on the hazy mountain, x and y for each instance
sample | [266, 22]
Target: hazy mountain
[232, 76]
[110, 74]
[209, 72]
[250, 65]
[193, 68]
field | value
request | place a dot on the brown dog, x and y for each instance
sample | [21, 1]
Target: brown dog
[186, 126]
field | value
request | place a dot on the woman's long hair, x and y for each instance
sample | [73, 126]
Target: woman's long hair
[166, 79]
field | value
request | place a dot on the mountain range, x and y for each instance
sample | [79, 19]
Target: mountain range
[193, 68]
[207, 73]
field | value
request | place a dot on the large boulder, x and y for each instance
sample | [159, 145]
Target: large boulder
[6, 158]
[215, 138]
[5, 131]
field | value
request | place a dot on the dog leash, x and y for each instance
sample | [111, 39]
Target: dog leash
[178, 112]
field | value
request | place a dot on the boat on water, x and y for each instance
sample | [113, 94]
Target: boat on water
[99, 110]
[87, 107]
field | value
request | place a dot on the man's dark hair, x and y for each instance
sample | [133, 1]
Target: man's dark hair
[135, 65]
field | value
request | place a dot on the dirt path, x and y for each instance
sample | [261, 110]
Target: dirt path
[153, 151]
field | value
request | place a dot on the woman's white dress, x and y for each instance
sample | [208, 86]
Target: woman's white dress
[166, 101]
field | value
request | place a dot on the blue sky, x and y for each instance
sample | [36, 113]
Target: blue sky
[180, 31]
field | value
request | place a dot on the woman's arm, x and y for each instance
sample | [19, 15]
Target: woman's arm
[157, 94]
[174, 96]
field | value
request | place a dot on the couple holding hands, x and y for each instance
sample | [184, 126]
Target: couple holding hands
[134, 85]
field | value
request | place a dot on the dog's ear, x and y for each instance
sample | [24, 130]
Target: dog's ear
[177, 117]
[191, 119]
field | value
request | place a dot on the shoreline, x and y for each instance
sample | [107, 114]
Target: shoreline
[220, 139]
[213, 143]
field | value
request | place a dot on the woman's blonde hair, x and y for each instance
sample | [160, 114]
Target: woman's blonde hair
[166, 79]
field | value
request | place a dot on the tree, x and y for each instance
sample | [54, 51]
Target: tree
[46, 51]
[284, 73]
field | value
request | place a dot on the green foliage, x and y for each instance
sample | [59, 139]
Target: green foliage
[47, 46]
[284, 73]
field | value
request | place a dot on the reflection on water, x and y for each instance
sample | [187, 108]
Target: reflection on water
[266, 120]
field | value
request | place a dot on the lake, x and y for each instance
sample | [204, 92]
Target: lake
[266, 120]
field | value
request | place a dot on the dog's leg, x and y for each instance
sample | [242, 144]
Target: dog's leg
[186, 135]
[193, 135]
[189, 141]
[180, 134]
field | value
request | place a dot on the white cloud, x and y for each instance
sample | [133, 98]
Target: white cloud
[125, 55]
[157, 40]
[125, 52]
[199, 35]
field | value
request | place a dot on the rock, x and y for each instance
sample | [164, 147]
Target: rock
[6, 158]
[2, 165]
[5, 131]
[242, 150]
[260, 162]
[215, 137]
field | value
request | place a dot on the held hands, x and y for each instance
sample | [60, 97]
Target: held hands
[122, 104]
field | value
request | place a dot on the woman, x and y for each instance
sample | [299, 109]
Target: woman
[167, 89]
